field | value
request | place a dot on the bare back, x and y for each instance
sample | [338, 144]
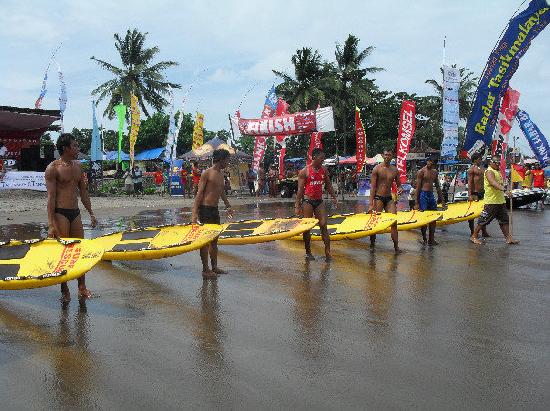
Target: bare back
[383, 177]
[66, 179]
[475, 179]
[214, 186]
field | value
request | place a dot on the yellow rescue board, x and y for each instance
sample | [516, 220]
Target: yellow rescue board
[157, 242]
[353, 226]
[41, 263]
[463, 211]
[409, 220]
[261, 231]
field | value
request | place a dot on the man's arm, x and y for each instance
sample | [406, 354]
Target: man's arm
[51, 186]
[227, 205]
[373, 187]
[85, 198]
[199, 197]
[398, 182]
[493, 181]
[300, 192]
[470, 184]
[419, 178]
[328, 186]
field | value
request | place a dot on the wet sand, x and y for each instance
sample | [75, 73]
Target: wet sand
[452, 327]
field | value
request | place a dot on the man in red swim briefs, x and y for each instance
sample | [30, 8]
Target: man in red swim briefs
[310, 189]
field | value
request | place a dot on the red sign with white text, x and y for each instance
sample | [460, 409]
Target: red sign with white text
[361, 142]
[407, 125]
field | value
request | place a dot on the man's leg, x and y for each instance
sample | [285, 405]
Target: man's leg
[378, 206]
[64, 227]
[308, 213]
[321, 215]
[214, 257]
[77, 231]
[471, 225]
[206, 271]
[431, 237]
[392, 208]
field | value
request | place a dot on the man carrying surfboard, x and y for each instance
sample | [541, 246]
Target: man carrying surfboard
[426, 177]
[495, 203]
[309, 199]
[475, 188]
[381, 180]
[63, 180]
[210, 189]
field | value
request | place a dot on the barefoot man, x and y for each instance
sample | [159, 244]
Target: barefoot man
[205, 209]
[381, 180]
[63, 180]
[475, 187]
[310, 189]
[426, 177]
[495, 203]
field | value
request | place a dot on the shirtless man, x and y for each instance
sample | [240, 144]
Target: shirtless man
[205, 209]
[63, 180]
[426, 177]
[310, 189]
[475, 187]
[381, 180]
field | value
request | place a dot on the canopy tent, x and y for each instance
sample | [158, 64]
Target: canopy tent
[352, 160]
[113, 156]
[205, 151]
[151, 154]
[21, 129]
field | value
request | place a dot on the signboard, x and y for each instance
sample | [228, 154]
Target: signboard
[23, 180]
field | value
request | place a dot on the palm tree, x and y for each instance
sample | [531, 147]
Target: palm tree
[310, 83]
[352, 84]
[138, 75]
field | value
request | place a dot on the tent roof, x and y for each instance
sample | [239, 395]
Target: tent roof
[151, 154]
[18, 122]
[113, 155]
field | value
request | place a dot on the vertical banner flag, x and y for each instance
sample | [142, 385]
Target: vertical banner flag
[282, 108]
[120, 111]
[135, 122]
[62, 95]
[315, 141]
[508, 110]
[361, 142]
[270, 105]
[198, 137]
[451, 84]
[501, 66]
[535, 138]
[95, 150]
[168, 150]
[407, 125]
[96, 154]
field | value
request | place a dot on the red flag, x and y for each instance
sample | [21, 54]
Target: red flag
[407, 125]
[361, 144]
[508, 110]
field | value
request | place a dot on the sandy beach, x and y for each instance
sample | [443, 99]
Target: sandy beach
[25, 206]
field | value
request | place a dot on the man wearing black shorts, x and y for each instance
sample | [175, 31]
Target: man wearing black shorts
[210, 189]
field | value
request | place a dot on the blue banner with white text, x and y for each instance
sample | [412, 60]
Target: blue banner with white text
[501, 66]
[535, 138]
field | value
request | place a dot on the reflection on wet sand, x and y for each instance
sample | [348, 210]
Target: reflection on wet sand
[71, 383]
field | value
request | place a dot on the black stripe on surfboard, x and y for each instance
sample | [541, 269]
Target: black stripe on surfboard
[8, 270]
[139, 234]
[130, 247]
[236, 233]
[251, 225]
[317, 231]
[14, 251]
[335, 220]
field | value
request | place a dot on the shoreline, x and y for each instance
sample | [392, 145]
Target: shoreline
[26, 206]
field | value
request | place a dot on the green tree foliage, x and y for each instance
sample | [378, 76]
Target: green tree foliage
[138, 74]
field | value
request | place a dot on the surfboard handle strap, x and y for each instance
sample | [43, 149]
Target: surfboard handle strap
[40, 277]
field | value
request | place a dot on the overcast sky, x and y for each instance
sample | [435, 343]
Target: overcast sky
[238, 43]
